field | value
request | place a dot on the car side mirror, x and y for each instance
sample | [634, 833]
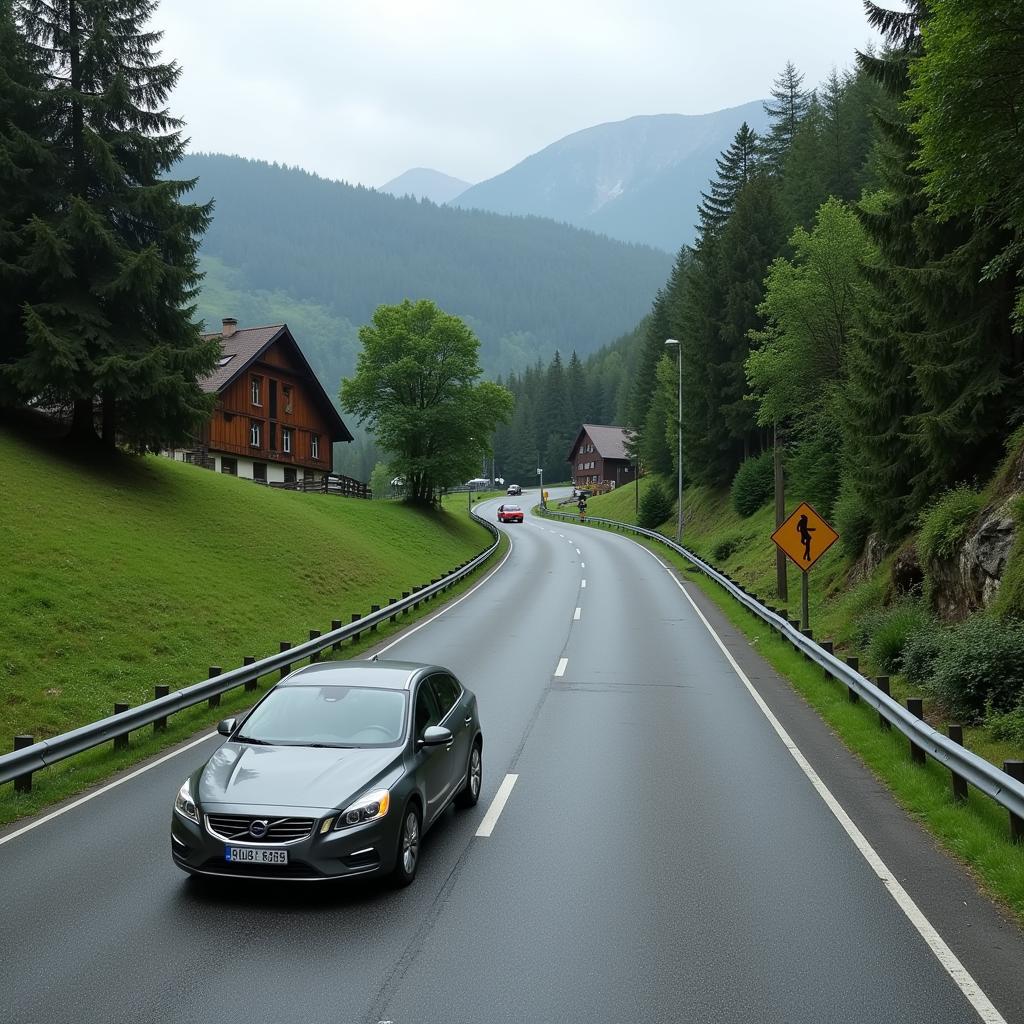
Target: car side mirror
[227, 726]
[435, 736]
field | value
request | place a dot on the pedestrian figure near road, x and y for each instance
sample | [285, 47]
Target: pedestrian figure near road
[583, 509]
[805, 532]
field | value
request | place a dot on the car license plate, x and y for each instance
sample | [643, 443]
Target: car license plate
[252, 855]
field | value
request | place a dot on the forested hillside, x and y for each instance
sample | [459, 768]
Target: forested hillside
[525, 285]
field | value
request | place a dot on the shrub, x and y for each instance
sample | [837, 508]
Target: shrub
[981, 666]
[921, 653]
[851, 521]
[754, 484]
[724, 547]
[892, 631]
[655, 506]
[1007, 725]
[944, 523]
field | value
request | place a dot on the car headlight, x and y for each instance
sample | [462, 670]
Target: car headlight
[369, 807]
[185, 805]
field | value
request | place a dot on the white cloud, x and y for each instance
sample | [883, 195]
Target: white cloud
[363, 91]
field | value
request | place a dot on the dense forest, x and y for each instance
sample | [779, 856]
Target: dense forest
[853, 289]
[525, 285]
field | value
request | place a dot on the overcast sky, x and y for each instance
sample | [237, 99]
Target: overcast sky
[364, 90]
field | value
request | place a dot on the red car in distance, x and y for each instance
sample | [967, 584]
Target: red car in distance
[510, 514]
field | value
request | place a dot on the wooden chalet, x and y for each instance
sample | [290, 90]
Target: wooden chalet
[273, 423]
[599, 457]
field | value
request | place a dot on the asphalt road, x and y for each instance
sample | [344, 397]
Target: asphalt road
[662, 856]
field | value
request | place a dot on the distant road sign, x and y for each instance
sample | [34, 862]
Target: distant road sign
[805, 536]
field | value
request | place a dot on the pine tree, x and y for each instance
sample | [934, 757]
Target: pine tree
[804, 179]
[735, 166]
[26, 180]
[787, 108]
[115, 259]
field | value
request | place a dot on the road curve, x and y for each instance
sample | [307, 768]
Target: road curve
[661, 855]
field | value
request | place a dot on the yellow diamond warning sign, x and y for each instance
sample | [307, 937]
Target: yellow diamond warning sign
[805, 536]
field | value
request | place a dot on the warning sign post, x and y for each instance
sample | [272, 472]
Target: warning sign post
[804, 537]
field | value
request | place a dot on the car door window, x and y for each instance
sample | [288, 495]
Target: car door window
[426, 709]
[446, 693]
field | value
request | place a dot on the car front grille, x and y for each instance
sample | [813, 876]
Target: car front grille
[236, 828]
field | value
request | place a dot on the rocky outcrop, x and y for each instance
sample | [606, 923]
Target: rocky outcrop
[870, 559]
[970, 582]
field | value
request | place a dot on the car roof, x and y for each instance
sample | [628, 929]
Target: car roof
[384, 675]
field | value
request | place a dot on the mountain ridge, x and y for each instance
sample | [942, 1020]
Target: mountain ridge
[426, 183]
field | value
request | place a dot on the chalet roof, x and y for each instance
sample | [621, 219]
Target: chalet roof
[245, 346]
[610, 442]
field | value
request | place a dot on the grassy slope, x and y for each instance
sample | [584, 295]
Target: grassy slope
[138, 572]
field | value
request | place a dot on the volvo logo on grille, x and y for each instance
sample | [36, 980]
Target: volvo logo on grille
[258, 829]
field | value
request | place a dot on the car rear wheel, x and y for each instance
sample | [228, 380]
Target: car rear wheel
[470, 792]
[408, 856]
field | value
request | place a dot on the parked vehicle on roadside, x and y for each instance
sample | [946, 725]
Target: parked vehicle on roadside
[338, 772]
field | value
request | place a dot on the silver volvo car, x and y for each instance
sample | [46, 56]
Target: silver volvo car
[337, 772]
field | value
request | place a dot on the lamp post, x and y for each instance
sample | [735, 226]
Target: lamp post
[679, 458]
[540, 473]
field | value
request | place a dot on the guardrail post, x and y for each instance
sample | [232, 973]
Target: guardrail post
[23, 783]
[956, 734]
[160, 690]
[120, 742]
[314, 634]
[882, 682]
[355, 618]
[214, 701]
[249, 659]
[285, 646]
[852, 694]
[795, 623]
[393, 600]
[374, 608]
[405, 594]
[916, 707]
[1015, 769]
[416, 590]
[335, 624]
[826, 646]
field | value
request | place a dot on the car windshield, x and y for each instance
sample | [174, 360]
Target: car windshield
[512, 508]
[329, 716]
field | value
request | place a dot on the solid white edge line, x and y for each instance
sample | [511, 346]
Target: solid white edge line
[946, 957]
[560, 671]
[490, 819]
[202, 739]
[106, 789]
[450, 605]
[576, 615]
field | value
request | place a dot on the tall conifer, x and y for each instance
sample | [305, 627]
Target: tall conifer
[735, 166]
[116, 259]
[786, 109]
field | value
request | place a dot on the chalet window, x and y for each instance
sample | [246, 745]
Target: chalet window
[229, 466]
[286, 440]
[314, 445]
[255, 433]
[259, 471]
[256, 386]
[290, 474]
[286, 398]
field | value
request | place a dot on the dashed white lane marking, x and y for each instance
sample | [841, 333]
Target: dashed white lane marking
[576, 614]
[562, 663]
[210, 735]
[562, 535]
[577, 551]
[583, 565]
[497, 806]
[583, 585]
[946, 957]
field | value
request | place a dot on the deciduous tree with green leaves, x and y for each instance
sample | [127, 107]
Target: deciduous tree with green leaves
[417, 386]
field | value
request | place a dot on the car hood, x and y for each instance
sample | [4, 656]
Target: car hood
[311, 777]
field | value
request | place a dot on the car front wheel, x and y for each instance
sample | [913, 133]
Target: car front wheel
[409, 838]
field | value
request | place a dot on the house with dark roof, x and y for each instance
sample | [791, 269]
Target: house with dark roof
[273, 422]
[599, 457]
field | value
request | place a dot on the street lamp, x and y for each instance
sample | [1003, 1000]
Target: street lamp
[540, 473]
[679, 458]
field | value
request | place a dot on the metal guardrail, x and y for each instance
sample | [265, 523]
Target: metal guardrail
[19, 765]
[1003, 788]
